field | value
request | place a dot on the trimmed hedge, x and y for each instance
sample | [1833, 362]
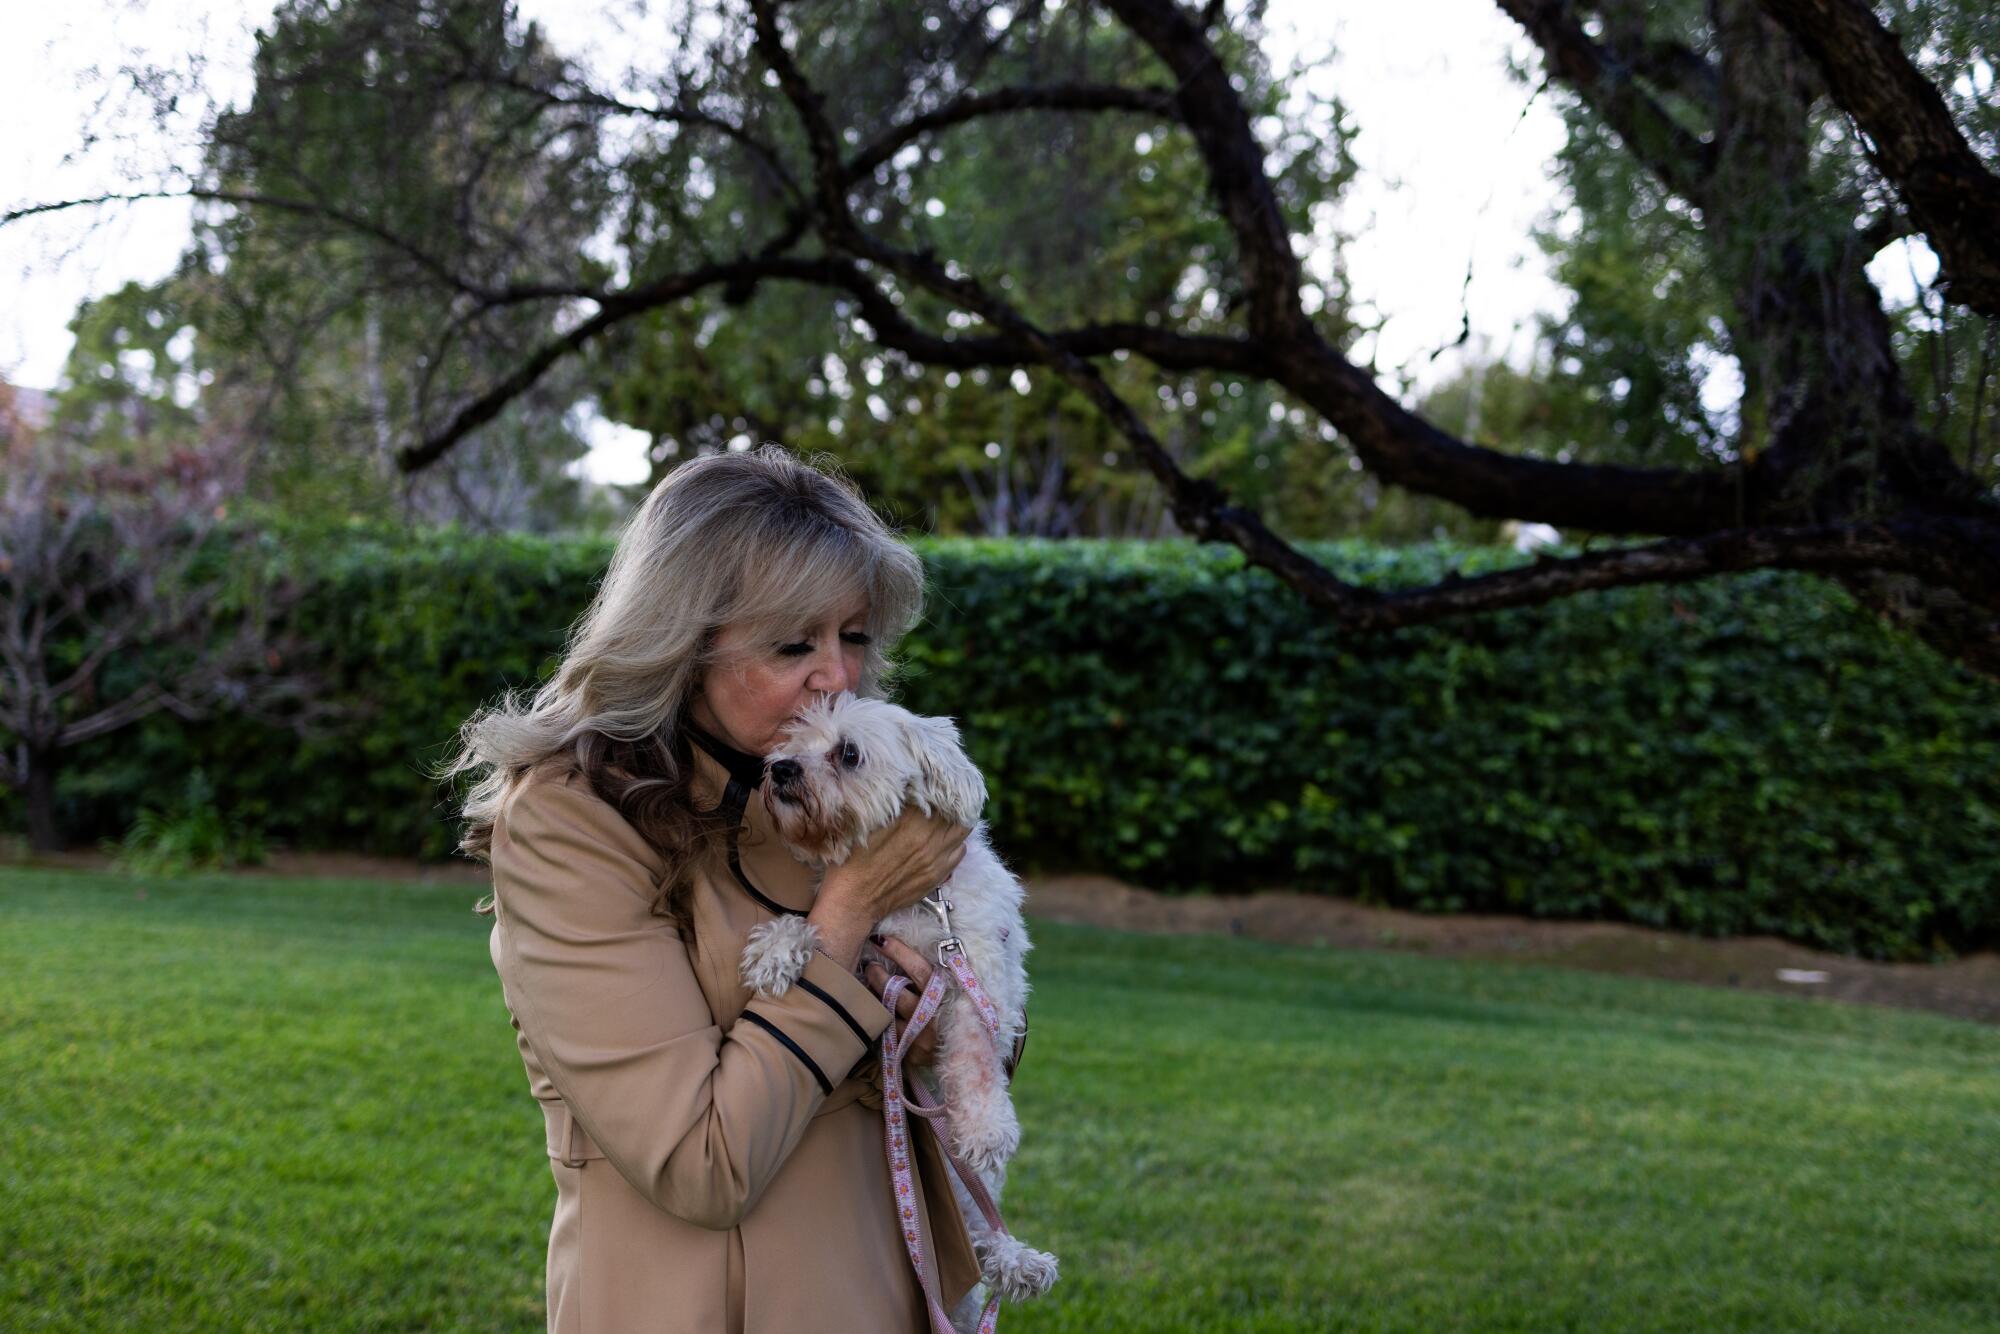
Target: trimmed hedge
[1742, 756]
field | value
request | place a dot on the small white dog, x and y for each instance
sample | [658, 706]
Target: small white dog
[847, 768]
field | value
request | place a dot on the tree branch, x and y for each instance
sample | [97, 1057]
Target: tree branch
[1403, 449]
[1062, 97]
[764, 155]
[147, 699]
[1199, 505]
[1952, 196]
[1283, 348]
[1603, 80]
[492, 296]
[1208, 105]
[1203, 510]
[613, 307]
[1910, 546]
[1394, 443]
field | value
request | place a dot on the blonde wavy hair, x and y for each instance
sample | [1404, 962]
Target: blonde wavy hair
[762, 539]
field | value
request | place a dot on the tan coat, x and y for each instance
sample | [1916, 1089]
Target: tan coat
[705, 1181]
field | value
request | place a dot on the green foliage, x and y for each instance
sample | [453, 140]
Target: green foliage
[132, 376]
[1079, 219]
[1751, 755]
[1623, 368]
[328, 338]
[256, 1104]
[1758, 755]
[190, 834]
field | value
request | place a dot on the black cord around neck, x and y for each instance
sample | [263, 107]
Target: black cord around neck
[746, 775]
[746, 771]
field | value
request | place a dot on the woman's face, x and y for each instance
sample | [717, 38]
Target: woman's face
[754, 691]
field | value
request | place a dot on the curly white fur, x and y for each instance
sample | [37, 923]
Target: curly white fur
[846, 770]
[777, 954]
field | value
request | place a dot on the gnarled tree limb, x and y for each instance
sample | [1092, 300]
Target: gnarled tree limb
[1604, 80]
[1953, 197]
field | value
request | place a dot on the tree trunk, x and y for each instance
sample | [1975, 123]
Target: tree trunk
[40, 790]
[1833, 431]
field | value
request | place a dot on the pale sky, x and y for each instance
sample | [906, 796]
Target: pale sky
[1455, 165]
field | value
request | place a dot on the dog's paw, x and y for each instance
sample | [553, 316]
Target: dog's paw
[988, 1143]
[777, 953]
[1014, 1270]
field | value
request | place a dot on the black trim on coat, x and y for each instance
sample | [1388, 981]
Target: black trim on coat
[736, 868]
[795, 1048]
[840, 1010]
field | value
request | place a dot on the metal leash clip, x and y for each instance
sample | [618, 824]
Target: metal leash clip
[951, 944]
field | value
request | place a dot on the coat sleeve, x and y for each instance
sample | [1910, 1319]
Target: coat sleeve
[699, 1120]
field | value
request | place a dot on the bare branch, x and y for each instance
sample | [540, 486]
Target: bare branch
[1164, 347]
[680, 114]
[1403, 449]
[147, 699]
[1283, 347]
[1952, 196]
[492, 296]
[1394, 443]
[1711, 517]
[1682, 161]
[1235, 160]
[614, 307]
[1199, 505]
[1912, 546]
[1062, 97]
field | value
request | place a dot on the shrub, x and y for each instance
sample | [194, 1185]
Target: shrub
[189, 835]
[1756, 754]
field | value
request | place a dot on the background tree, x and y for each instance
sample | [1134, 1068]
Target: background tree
[947, 182]
[122, 593]
[1094, 207]
[131, 385]
[368, 124]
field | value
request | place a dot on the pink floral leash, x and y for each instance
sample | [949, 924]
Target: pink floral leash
[895, 1102]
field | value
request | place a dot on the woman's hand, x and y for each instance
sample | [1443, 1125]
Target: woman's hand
[918, 969]
[900, 865]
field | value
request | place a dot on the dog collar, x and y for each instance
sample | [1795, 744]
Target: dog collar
[746, 775]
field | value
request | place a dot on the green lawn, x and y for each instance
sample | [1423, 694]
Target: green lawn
[296, 1105]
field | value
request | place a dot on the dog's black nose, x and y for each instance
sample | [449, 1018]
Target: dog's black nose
[785, 772]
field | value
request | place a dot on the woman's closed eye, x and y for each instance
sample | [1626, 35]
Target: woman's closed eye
[804, 647]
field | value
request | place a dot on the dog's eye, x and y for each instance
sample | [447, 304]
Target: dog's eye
[850, 754]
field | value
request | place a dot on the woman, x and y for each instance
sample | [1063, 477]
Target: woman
[718, 1159]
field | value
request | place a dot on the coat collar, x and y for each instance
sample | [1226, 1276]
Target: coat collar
[742, 772]
[761, 867]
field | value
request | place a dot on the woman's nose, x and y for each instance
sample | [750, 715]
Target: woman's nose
[831, 674]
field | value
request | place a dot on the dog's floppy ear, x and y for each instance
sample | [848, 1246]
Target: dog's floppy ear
[947, 782]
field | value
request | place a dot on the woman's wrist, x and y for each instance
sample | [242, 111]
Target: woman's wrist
[840, 927]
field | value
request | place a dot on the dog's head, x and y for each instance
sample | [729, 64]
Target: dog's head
[847, 767]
